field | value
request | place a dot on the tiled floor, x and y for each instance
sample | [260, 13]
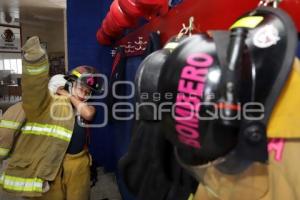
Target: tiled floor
[106, 187]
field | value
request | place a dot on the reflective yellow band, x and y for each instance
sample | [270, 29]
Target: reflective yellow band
[19, 184]
[10, 124]
[191, 197]
[47, 130]
[247, 22]
[38, 68]
[76, 73]
[4, 152]
[36, 71]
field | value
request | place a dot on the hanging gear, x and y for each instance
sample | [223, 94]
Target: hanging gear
[150, 160]
[131, 8]
[120, 17]
[146, 80]
[196, 62]
[109, 29]
[118, 74]
[212, 90]
[142, 168]
[282, 168]
[153, 7]
[102, 38]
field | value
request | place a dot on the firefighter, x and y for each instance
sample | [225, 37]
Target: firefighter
[44, 136]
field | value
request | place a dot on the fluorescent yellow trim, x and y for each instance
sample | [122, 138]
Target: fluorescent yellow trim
[76, 73]
[36, 71]
[47, 130]
[191, 197]
[4, 152]
[9, 124]
[247, 22]
[21, 184]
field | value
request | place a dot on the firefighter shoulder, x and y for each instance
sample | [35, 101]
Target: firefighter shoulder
[44, 136]
[283, 146]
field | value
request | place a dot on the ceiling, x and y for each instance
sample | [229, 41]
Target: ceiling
[43, 3]
[36, 3]
[35, 12]
[36, 15]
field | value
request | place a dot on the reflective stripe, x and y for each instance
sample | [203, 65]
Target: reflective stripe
[247, 22]
[37, 70]
[4, 152]
[47, 130]
[76, 73]
[191, 197]
[21, 184]
[9, 124]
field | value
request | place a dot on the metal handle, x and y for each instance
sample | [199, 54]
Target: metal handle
[273, 3]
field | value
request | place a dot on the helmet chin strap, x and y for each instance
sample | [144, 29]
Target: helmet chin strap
[252, 142]
[231, 75]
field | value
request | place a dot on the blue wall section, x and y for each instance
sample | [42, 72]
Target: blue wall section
[111, 142]
[84, 19]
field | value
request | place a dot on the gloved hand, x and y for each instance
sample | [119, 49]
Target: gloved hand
[32, 49]
[56, 82]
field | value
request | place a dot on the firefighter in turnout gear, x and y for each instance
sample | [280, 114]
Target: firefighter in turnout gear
[43, 138]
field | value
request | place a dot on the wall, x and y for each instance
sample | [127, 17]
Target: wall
[83, 20]
[109, 143]
[50, 32]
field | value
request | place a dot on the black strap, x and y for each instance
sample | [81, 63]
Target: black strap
[221, 39]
